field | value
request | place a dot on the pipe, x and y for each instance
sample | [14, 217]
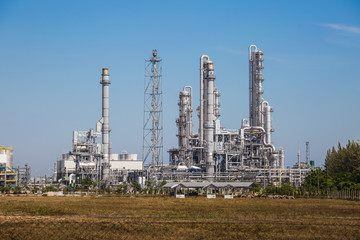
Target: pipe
[217, 103]
[267, 121]
[282, 158]
[250, 84]
[250, 56]
[189, 120]
[105, 128]
[263, 131]
[201, 118]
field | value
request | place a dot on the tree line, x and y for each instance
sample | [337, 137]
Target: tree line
[341, 172]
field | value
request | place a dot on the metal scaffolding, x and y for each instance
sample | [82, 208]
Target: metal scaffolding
[153, 122]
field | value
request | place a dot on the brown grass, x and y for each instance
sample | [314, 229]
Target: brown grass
[170, 218]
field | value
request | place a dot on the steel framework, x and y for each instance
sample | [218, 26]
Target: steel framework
[153, 120]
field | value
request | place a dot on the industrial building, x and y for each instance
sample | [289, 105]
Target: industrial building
[246, 153]
[90, 158]
[213, 153]
[11, 176]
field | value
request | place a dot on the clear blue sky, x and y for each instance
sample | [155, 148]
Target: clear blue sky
[52, 52]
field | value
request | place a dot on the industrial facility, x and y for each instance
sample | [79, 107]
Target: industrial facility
[246, 153]
[11, 176]
[91, 159]
[213, 153]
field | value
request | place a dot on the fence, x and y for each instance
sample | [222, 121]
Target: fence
[345, 194]
[231, 227]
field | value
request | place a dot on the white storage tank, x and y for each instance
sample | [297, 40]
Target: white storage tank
[114, 156]
[131, 156]
[6, 156]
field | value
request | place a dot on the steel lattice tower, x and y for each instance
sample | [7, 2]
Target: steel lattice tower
[153, 120]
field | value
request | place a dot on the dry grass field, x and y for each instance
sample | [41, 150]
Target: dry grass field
[28, 217]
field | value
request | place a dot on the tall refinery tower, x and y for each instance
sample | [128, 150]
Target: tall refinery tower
[153, 122]
[106, 127]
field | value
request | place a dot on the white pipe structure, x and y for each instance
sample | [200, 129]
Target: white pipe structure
[282, 158]
[267, 145]
[209, 87]
[267, 121]
[105, 128]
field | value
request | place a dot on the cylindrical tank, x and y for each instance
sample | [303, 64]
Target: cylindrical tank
[282, 158]
[131, 156]
[267, 125]
[6, 156]
[114, 156]
[123, 156]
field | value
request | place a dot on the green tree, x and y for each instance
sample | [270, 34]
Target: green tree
[86, 183]
[343, 165]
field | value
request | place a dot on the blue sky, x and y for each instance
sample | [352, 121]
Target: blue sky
[52, 52]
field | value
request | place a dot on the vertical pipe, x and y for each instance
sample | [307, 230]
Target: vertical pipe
[251, 59]
[298, 155]
[105, 129]
[217, 103]
[210, 117]
[282, 158]
[267, 122]
[201, 119]
[201, 112]
[189, 122]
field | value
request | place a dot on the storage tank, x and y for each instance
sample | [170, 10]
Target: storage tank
[6, 156]
[114, 156]
[131, 156]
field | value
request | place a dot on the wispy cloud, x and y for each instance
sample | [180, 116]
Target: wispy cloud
[342, 27]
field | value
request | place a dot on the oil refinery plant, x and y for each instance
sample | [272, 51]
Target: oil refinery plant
[213, 153]
[243, 154]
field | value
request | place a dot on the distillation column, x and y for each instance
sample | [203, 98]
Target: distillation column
[267, 122]
[209, 127]
[184, 123]
[105, 128]
[255, 86]
[202, 99]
